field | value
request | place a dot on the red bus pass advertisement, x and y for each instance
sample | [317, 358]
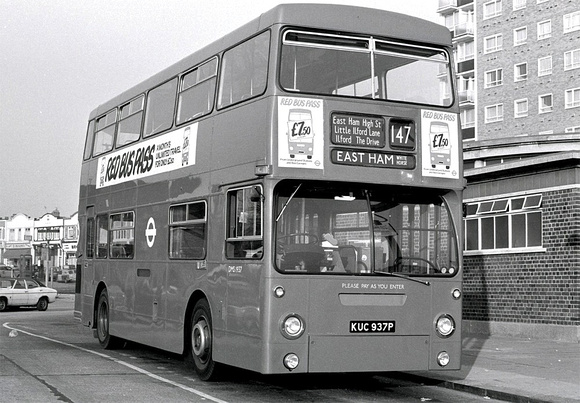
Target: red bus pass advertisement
[440, 144]
[300, 133]
[161, 154]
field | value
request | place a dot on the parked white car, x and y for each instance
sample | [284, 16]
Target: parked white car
[25, 292]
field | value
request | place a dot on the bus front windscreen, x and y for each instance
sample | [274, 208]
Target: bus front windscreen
[351, 229]
[338, 65]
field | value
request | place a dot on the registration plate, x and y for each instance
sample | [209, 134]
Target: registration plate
[372, 326]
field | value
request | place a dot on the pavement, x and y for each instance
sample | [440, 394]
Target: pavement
[515, 370]
[503, 368]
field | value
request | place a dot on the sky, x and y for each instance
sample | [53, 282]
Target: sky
[59, 59]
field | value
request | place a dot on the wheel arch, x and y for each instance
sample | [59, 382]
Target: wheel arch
[196, 296]
[100, 287]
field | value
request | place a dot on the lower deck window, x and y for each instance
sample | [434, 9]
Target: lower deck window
[244, 239]
[187, 231]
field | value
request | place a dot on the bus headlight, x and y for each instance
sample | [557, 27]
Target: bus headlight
[292, 326]
[443, 358]
[291, 361]
[445, 325]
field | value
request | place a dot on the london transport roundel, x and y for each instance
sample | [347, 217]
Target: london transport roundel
[150, 232]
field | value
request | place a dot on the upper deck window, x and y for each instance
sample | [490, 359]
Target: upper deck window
[160, 107]
[130, 121]
[197, 92]
[244, 71]
[105, 135]
[363, 67]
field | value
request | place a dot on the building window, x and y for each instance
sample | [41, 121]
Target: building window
[545, 103]
[122, 229]
[520, 36]
[130, 121]
[572, 59]
[493, 78]
[160, 107]
[244, 237]
[467, 118]
[504, 224]
[545, 66]
[573, 98]
[544, 29]
[494, 113]
[519, 4]
[465, 51]
[521, 72]
[491, 9]
[572, 22]
[187, 231]
[492, 43]
[520, 108]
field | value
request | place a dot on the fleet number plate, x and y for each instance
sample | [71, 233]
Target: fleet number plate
[372, 326]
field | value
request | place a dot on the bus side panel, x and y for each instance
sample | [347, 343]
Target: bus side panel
[240, 344]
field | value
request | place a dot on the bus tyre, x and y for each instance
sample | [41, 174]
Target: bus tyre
[107, 341]
[42, 304]
[200, 342]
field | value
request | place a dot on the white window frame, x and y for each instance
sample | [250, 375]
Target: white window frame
[572, 22]
[492, 9]
[574, 59]
[519, 4]
[490, 82]
[510, 210]
[546, 71]
[496, 47]
[497, 117]
[520, 77]
[547, 33]
[524, 39]
[542, 106]
[523, 112]
[572, 97]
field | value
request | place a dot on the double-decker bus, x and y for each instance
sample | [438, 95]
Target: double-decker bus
[202, 233]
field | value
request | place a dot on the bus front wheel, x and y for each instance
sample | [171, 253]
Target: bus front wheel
[107, 341]
[201, 342]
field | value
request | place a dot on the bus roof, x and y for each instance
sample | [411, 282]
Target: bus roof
[341, 18]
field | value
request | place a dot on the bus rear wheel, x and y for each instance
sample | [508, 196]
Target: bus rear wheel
[107, 341]
[200, 342]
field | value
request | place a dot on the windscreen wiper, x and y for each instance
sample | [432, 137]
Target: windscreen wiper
[388, 273]
[288, 201]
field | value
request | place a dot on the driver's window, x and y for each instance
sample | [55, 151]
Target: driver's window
[244, 238]
[20, 285]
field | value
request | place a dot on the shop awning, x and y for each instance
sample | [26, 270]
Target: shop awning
[15, 253]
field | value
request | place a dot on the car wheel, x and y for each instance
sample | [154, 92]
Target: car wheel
[42, 304]
[107, 341]
[3, 304]
[200, 342]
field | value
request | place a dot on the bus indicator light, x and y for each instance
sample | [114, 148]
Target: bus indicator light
[279, 291]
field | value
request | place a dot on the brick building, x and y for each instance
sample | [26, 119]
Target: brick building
[518, 76]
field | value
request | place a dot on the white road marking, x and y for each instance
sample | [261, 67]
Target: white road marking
[126, 364]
